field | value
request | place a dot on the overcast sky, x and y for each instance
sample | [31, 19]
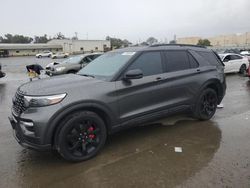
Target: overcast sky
[135, 20]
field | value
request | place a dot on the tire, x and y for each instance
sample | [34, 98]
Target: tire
[71, 72]
[39, 56]
[81, 136]
[206, 104]
[243, 69]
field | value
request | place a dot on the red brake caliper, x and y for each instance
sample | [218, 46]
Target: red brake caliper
[91, 135]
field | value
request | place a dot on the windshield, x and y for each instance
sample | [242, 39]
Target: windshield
[105, 66]
[75, 59]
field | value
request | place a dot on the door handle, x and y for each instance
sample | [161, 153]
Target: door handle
[198, 70]
[158, 79]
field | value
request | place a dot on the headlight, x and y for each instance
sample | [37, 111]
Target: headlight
[38, 101]
[60, 69]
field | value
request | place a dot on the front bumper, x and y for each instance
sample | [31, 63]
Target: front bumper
[26, 140]
[53, 73]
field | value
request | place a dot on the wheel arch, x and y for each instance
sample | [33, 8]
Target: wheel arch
[216, 85]
[55, 121]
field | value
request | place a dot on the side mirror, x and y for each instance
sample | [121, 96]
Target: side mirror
[133, 74]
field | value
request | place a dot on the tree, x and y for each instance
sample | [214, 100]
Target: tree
[41, 39]
[144, 44]
[9, 38]
[151, 40]
[59, 36]
[204, 42]
[118, 43]
[172, 42]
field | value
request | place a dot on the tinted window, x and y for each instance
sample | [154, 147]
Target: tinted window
[227, 58]
[210, 57]
[149, 63]
[86, 59]
[235, 57]
[176, 60]
[192, 61]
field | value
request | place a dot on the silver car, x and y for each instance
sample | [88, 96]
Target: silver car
[70, 65]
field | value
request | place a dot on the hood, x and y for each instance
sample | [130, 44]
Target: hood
[57, 84]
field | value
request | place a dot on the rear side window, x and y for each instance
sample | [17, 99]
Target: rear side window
[235, 57]
[176, 60]
[192, 61]
[149, 62]
[210, 57]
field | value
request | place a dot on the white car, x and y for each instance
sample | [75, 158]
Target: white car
[247, 53]
[44, 54]
[60, 55]
[234, 63]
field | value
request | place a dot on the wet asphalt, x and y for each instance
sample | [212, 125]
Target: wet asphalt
[215, 153]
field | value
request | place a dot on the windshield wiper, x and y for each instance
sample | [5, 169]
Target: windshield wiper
[88, 75]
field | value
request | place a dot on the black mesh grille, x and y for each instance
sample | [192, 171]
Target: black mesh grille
[18, 103]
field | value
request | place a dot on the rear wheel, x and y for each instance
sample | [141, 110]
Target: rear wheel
[81, 137]
[243, 69]
[206, 105]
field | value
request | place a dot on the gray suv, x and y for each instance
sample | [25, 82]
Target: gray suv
[71, 65]
[74, 113]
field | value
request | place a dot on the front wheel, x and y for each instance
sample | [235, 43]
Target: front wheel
[81, 137]
[206, 105]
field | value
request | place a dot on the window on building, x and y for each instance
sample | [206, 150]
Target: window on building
[33, 50]
[81, 48]
[17, 52]
[96, 48]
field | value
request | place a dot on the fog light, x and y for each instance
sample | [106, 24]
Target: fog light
[27, 127]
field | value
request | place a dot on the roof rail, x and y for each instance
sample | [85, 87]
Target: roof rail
[188, 45]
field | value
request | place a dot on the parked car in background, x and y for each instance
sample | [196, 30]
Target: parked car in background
[74, 114]
[60, 55]
[2, 74]
[44, 54]
[234, 51]
[70, 65]
[247, 53]
[234, 63]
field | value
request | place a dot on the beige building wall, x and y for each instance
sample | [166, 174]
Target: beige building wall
[82, 46]
[188, 40]
[221, 40]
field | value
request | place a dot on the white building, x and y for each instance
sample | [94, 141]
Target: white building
[28, 49]
[82, 46]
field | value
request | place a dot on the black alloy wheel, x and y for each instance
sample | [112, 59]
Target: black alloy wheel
[243, 69]
[82, 136]
[206, 105]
